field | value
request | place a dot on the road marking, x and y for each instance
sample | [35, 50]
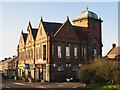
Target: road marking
[19, 83]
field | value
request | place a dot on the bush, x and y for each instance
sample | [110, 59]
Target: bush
[85, 74]
[101, 71]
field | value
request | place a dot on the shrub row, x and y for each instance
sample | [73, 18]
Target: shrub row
[100, 72]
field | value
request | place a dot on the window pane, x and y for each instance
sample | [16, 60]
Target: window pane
[31, 54]
[28, 54]
[59, 51]
[44, 52]
[36, 53]
[75, 52]
[67, 51]
[40, 54]
[52, 49]
[82, 51]
[94, 52]
[85, 52]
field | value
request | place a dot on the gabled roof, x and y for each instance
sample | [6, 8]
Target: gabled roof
[29, 25]
[115, 50]
[34, 32]
[25, 37]
[51, 27]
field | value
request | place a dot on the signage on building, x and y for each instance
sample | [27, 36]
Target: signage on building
[21, 66]
[40, 60]
[26, 66]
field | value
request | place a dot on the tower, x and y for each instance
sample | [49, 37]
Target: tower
[92, 23]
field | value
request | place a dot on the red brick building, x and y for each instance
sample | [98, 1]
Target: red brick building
[59, 49]
[114, 53]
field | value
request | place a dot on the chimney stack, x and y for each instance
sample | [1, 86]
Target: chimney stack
[113, 45]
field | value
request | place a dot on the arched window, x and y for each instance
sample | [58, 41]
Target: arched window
[67, 51]
[44, 52]
[28, 54]
[94, 52]
[37, 53]
[31, 54]
[52, 49]
[40, 52]
[59, 51]
[84, 51]
[23, 55]
[75, 52]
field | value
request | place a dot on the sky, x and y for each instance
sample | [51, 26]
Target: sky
[14, 18]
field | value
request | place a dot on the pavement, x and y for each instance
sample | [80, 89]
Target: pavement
[11, 83]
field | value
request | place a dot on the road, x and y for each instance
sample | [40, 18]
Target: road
[10, 83]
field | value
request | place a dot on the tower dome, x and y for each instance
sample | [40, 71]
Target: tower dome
[87, 13]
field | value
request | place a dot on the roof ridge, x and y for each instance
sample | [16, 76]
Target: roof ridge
[52, 22]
